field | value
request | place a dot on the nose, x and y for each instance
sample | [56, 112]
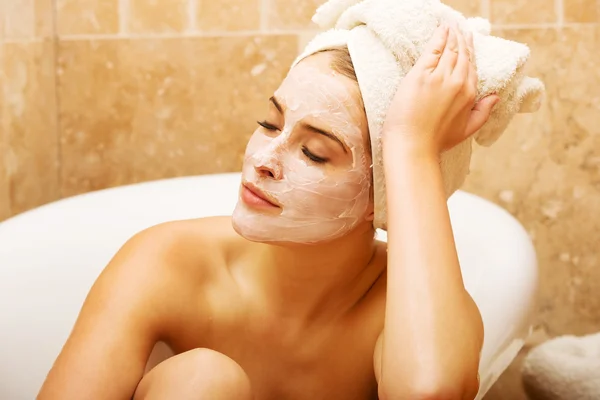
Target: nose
[269, 168]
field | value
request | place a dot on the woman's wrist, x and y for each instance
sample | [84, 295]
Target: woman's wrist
[402, 147]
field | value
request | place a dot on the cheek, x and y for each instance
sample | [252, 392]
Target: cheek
[314, 192]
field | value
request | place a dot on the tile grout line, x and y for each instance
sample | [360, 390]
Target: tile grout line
[57, 102]
[294, 32]
[123, 17]
[192, 9]
[559, 8]
[170, 35]
[547, 25]
[29, 40]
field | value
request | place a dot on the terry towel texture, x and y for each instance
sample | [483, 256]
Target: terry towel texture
[386, 37]
[565, 368]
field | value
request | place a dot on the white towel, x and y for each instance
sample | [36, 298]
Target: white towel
[386, 37]
[565, 368]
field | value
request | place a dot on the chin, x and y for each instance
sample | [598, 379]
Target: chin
[241, 227]
[251, 236]
[264, 228]
[234, 223]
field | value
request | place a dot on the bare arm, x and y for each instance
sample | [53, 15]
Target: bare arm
[431, 342]
[119, 323]
[433, 331]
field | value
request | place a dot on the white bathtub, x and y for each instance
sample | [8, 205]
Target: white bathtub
[50, 256]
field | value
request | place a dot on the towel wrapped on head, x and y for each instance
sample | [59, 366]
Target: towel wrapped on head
[385, 38]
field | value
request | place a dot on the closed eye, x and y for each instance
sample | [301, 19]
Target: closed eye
[267, 126]
[312, 157]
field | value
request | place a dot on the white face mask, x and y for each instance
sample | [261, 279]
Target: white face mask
[321, 186]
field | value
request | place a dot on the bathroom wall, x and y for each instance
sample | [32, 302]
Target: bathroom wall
[4, 206]
[164, 88]
[545, 170]
[28, 112]
[133, 90]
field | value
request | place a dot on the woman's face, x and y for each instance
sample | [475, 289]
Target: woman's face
[306, 176]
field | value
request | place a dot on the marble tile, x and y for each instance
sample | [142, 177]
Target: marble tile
[19, 19]
[285, 14]
[87, 17]
[2, 18]
[522, 11]
[581, 10]
[305, 37]
[44, 19]
[137, 110]
[546, 171]
[470, 8]
[30, 157]
[228, 15]
[157, 16]
[4, 199]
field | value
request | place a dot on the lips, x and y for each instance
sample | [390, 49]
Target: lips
[260, 194]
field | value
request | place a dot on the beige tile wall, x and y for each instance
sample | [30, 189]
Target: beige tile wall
[29, 133]
[99, 93]
[546, 172]
[4, 198]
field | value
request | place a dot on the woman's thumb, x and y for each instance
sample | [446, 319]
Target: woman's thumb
[481, 113]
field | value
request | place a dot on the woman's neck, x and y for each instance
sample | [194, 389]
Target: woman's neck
[309, 282]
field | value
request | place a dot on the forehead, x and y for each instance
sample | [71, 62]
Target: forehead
[313, 87]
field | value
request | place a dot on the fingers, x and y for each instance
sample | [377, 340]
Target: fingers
[434, 49]
[450, 54]
[480, 114]
[472, 66]
[463, 63]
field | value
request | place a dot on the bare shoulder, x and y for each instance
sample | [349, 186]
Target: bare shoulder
[199, 246]
[188, 260]
[149, 291]
[171, 263]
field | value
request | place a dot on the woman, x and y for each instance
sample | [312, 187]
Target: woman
[291, 297]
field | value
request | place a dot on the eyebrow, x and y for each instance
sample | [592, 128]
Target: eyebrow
[277, 105]
[331, 136]
[326, 134]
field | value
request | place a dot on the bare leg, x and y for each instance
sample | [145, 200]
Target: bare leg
[198, 374]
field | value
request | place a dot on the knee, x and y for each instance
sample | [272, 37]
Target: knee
[219, 370]
[196, 374]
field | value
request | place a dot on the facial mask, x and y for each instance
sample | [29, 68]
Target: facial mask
[318, 202]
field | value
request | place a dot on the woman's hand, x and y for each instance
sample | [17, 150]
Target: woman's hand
[434, 107]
